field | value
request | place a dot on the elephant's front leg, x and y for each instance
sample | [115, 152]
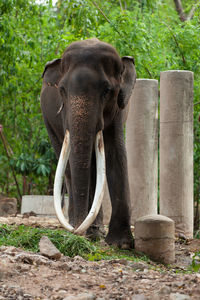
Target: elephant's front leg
[117, 176]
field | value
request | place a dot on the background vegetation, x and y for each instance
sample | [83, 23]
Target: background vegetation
[34, 32]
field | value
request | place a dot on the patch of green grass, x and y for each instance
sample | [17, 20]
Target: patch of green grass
[115, 253]
[195, 266]
[28, 238]
[69, 244]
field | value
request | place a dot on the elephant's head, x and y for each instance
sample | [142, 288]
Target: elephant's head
[94, 85]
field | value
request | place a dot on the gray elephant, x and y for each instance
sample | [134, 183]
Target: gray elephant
[84, 101]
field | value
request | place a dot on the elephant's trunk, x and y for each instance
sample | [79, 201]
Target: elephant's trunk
[80, 175]
[80, 165]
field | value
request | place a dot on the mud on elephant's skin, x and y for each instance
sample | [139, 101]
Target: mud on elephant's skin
[87, 92]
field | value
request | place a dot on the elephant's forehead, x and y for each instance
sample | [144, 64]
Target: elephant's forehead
[93, 55]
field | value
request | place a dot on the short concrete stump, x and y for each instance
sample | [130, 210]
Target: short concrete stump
[155, 236]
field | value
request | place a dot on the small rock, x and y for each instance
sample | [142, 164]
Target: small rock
[62, 293]
[4, 272]
[165, 290]
[61, 266]
[155, 297]
[178, 296]
[138, 266]
[78, 259]
[48, 249]
[8, 206]
[84, 296]
[146, 271]
[27, 296]
[139, 297]
[178, 284]
[119, 261]
[83, 271]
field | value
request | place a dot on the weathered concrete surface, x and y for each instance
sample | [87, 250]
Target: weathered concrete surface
[154, 236]
[44, 206]
[8, 206]
[142, 148]
[176, 149]
[39, 204]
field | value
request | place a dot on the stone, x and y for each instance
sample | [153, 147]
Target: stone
[84, 296]
[139, 297]
[178, 296]
[48, 249]
[4, 272]
[154, 236]
[8, 206]
[164, 290]
[138, 266]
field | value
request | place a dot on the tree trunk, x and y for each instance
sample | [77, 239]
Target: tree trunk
[179, 8]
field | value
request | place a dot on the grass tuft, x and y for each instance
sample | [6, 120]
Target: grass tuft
[28, 239]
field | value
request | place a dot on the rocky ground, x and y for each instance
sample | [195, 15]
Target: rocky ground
[26, 275]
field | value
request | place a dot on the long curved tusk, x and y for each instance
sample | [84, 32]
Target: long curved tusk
[100, 183]
[60, 171]
[98, 197]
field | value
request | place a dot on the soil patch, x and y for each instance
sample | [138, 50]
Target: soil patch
[26, 275]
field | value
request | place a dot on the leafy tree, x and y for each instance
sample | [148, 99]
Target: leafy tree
[159, 34]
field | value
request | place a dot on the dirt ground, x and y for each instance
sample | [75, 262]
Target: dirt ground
[26, 275]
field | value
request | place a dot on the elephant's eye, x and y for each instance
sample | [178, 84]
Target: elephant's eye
[62, 91]
[106, 91]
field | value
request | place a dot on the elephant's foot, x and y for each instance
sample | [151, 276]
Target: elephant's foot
[95, 232]
[122, 240]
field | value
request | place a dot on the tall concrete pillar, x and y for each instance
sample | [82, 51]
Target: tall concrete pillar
[142, 148]
[176, 149]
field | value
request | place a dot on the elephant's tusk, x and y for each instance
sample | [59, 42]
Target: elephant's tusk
[60, 171]
[61, 107]
[100, 183]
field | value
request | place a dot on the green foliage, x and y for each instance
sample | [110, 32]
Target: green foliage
[71, 245]
[32, 34]
[106, 253]
[196, 262]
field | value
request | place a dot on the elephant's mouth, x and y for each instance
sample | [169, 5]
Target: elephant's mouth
[100, 182]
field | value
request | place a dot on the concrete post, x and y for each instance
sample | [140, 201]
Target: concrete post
[154, 236]
[176, 149]
[142, 148]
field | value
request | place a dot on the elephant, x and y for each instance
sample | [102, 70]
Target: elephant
[84, 101]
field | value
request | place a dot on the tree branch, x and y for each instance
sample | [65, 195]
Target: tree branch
[120, 2]
[177, 44]
[9, 153]
[179, 8]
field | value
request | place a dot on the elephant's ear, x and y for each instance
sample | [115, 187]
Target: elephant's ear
[127, 81]
[52, 72]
